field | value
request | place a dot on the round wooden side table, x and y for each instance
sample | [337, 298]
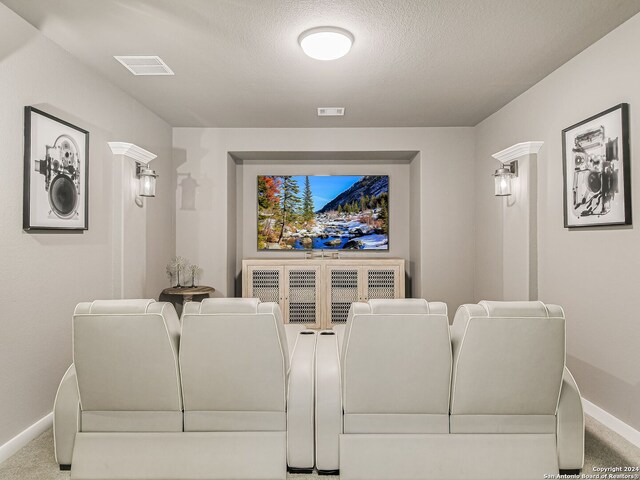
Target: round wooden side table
[187, 293]
[179, 296]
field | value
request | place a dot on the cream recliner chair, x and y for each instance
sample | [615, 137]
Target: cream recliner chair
[512, 391]
[390, 380]
[124, 383]
[240, 386]
[515, 411]
[119, 414]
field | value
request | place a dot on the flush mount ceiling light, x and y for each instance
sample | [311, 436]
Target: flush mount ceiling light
[326, 43]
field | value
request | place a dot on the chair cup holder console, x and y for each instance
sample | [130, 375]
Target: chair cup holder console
[230, 391]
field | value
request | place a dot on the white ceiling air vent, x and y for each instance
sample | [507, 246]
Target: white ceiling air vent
[144, 65]
[331, 111]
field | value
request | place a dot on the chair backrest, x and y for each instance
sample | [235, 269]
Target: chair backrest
[410, 306]
[508, 361]
[126, 358]
[396, 358]
[233, 358]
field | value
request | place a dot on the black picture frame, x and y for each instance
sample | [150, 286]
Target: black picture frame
[592, 162]
[66, 181]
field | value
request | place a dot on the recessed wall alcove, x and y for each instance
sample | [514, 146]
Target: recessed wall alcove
[403, 168]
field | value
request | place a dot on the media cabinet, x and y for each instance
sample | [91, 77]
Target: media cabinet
[318, 293]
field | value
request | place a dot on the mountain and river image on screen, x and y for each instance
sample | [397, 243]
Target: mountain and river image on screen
[323, 212]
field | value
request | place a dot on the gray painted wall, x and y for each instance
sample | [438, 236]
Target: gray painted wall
[45, 275]
[593, 273]
[444, 188]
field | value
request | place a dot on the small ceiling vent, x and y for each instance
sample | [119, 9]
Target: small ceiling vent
[330, 111]
[145, 65]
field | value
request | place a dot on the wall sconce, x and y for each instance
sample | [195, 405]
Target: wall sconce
[508, 170]
[145, 175]
[147, 178]
[502, 178]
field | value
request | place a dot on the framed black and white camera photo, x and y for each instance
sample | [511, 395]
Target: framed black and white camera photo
[56, 173]
[597, 177]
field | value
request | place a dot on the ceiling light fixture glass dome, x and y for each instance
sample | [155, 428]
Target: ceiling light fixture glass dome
[326, 43]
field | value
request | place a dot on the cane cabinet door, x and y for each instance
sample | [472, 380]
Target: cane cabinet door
[266, 282]
[382, 282]
[302, 295]
[343, 288]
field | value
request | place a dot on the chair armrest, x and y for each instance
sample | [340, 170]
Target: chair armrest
[300, 402]
[291, 331]
[339, 331]
[570, 425]
[66, 417]
[328, 402]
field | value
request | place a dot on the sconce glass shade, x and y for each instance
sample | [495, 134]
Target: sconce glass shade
[502, 179]
[147, 182]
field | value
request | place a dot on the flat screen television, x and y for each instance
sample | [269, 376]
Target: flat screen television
[323, 212]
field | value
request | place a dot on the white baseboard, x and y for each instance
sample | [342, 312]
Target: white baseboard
[24, 437]
[611, 422]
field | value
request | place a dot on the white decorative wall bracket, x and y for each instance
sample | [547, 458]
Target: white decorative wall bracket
[134, 152]
[142, 158]
[516, 151]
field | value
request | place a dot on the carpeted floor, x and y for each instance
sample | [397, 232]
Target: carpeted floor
[603, 448]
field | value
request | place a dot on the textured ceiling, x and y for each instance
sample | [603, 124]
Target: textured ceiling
[413, 63]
